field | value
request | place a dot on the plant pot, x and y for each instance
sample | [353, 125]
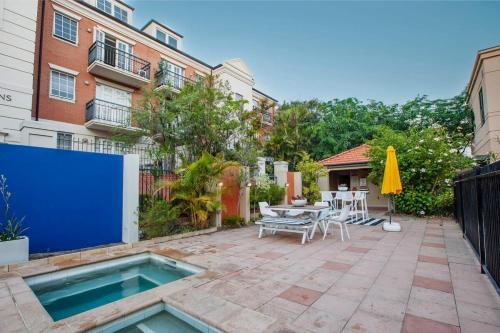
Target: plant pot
[299, 202]
[14, 251]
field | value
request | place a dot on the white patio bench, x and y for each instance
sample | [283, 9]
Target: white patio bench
[292, 225]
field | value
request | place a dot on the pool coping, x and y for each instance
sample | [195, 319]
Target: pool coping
[35, 315]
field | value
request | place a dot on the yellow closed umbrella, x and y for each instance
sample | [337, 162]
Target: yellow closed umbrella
[392, 182]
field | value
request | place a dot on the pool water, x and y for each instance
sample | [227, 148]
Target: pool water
[74, 292]
[159, 318]
[161, 323]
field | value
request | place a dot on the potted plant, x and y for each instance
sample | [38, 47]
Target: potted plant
[13, 246]
[299, 201]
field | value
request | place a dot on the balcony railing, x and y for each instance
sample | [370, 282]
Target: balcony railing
[176, 81]
[267, 118]
[116, 114]
[119, 59]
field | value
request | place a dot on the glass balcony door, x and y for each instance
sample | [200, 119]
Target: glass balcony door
[114, 105]
[124, 56]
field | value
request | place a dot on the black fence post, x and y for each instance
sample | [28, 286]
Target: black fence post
[480, 218]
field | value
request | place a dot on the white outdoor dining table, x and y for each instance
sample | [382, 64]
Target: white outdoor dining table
[314, 210]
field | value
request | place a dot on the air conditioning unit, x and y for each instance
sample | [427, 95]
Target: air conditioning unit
[143, 73]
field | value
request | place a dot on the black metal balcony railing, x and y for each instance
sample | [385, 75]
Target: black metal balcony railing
[176, 81]
[267, 118]
[97, 109]
[122, 60]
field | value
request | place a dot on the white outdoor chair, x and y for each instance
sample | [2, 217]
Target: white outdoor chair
[326, 196]
[265, 211]
[340, 220]
[359, 205]
[322, 217]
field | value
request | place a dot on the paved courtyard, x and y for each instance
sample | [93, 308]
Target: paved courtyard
[424, 279]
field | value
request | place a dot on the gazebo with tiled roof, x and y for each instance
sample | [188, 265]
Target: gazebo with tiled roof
[351, 167]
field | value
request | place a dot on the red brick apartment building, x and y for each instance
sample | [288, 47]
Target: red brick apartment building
[92, 62]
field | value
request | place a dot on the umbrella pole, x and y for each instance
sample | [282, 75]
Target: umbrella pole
[391, 197]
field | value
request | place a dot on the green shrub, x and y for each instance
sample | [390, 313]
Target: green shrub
[233, 221]
[428, 159]
[413, 202]
[161, 219]
[311, 172]
[270, 193]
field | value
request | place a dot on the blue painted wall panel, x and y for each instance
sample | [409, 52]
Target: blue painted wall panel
[70, 199]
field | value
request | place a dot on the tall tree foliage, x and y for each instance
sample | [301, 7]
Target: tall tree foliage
[202, 117]
[327, 128]
[292, 131]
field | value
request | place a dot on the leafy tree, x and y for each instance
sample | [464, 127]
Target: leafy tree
[291, 131]
[311, 172]
[428, 159]
[202, 117]
[344, 124]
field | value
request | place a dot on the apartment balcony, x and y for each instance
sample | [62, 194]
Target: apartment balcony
[114, 64]
[267, 119]
[168, 78]
[106, 116]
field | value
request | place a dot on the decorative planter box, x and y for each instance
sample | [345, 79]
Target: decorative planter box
[14, 251]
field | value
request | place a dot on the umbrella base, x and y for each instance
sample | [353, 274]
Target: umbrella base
[392, 226]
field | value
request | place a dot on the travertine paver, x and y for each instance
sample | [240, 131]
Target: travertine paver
[424, 279]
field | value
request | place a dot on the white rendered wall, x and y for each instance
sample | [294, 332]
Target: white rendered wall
[17, 54]
[130, 222]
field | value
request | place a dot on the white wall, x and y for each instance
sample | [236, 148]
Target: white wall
[17, 54]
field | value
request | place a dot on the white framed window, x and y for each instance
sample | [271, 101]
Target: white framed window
[160, 35]
[166, 38]
[105, 6]
[64, 140]
[65, 28]
[121, 14]
[238, 97]
[172, 41]
[62, 85]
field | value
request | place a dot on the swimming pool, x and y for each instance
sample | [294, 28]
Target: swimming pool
[159, 318]
[71, 291]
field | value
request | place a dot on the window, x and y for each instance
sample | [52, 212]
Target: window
[105, 6]
[172, 41]
[160, 35]
[64, 140]
[121, 14]
[65, 28]
[238, 97]
[62, 85]
[481, 106]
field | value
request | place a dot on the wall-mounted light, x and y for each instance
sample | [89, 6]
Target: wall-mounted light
[249, 185]
[86, 82]
[287, 185]
[220, 184]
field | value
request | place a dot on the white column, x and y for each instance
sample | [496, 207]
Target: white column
[130, 212]
[261, 164]
[280, 172]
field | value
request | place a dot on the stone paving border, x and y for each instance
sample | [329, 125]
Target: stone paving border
[424, 279]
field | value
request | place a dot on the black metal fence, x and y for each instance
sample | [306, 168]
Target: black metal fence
[107, 146]
[115, 57]
[477, 210]
[154, 183]
[175, 80]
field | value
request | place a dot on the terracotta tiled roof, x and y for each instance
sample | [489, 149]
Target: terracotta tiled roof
[351, 156]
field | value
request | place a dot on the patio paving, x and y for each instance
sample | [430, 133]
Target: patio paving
[424, 279]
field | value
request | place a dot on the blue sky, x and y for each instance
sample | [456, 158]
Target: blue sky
[388, 51]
